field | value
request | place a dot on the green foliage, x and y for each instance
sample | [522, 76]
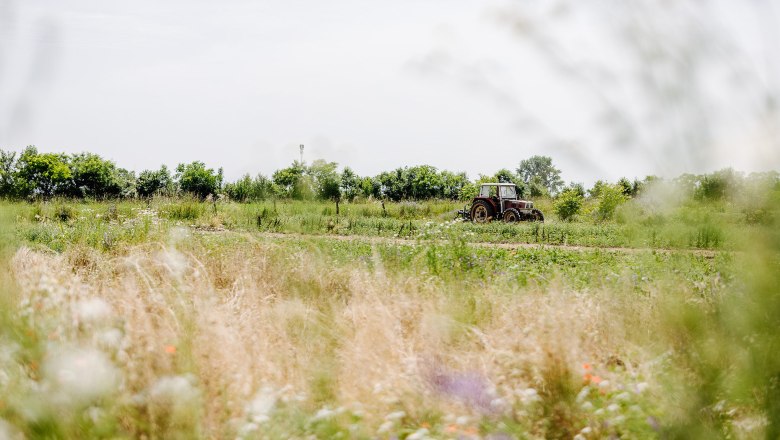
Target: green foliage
[150, 183]
[7, 168]
[716, 186]
[290, 181]
[43, 175]
[194, 178]
[539, 173]
[568, 204]
[96, 177]
[350, 184]
[247, 189]
[326, 179]
[610, 197]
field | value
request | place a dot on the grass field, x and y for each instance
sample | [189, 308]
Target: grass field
[180, 319]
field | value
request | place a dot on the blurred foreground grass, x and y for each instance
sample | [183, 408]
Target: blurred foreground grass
[176, 319]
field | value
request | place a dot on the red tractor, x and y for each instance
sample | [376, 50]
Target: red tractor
[498, 201]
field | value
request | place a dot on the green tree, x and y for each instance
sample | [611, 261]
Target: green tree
[95, 177]
[7, 171]
[44, 175]
[196, 179]
[423, 182]
[326, 179]
[393, 184]
[453, 184]
[150, 183]
[595, 192]
[290, 180]
[370, 187]
[247, 189]
[538, 171]
[350, 184]
[568, 203]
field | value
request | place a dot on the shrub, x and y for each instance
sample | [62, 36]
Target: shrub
[568, 204]
[610, 197]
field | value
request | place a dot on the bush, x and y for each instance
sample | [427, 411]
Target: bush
[568, 204]
[610, 197]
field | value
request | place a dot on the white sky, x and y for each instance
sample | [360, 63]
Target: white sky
[372, 85]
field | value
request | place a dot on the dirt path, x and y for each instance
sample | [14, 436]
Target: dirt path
[707, 253]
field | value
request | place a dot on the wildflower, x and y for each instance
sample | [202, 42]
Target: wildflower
[81, 374]
[592, 379]
[451, 429]
[93, 310]
[259, 409]
[418, 435]
[385, 427]
[641, 387]
[176, 394]
[323, 414]
[586, 366]
[613, 407]
[583, 394]
[462, 420]
[170, 349]
[395, 415]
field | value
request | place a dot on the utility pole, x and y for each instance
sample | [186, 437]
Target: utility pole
[301, 147]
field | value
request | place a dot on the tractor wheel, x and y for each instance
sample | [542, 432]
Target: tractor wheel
[481, 212]
[511, 215]
[537, 216]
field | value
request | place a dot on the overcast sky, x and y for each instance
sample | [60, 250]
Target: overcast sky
[465, 85]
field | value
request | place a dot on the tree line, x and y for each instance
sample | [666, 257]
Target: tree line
[35, 175]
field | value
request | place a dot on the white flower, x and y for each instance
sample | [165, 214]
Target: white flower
[586, 430]
[395, 415]
[462, 421]
[641, 387]
[623, 396]
[385, 427]
[604, 384]
[111, 338]
[262, 405]
[583, 394]
[176, 394]
[418, 435]
[81, 374]
[323, 413]
[92, 311]
[613, 407]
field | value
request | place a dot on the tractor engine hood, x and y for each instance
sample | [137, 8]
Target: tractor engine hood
[518, 204]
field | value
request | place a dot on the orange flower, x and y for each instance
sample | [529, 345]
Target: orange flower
[595, 379]
[471, 430]
[170, 349]
[425, 425]
[586, 366]
[451, 429]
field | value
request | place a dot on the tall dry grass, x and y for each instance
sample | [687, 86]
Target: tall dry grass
[208, 340]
